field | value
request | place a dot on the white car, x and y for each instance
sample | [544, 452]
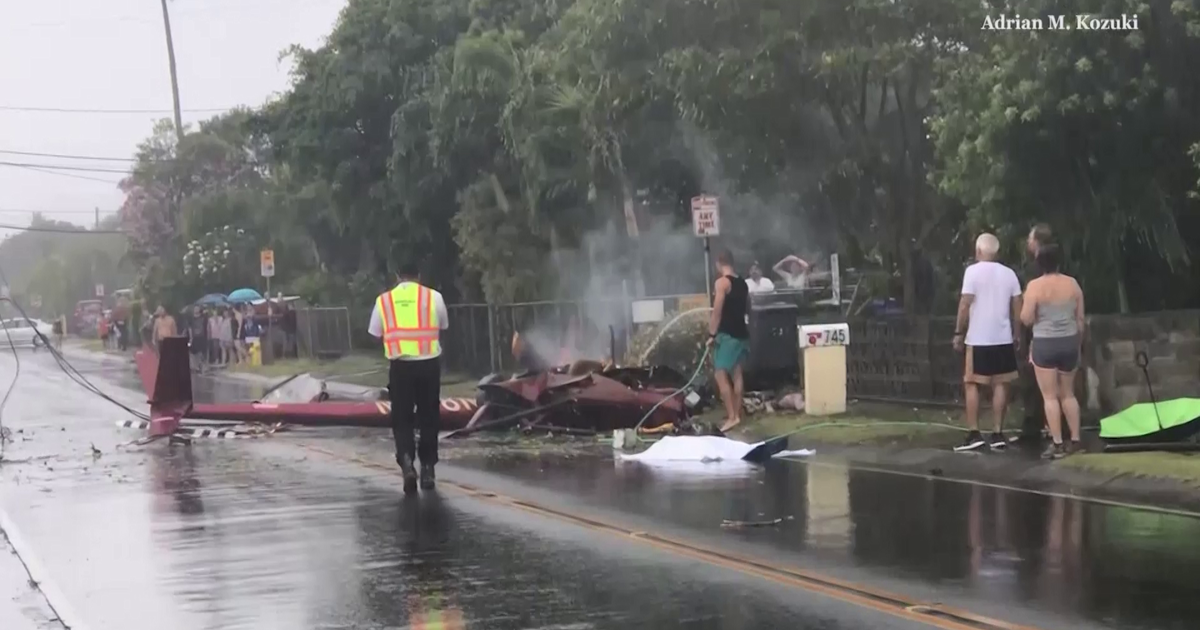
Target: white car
[25, 333]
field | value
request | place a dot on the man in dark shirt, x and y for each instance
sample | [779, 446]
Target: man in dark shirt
[1035, 411]
[198, 338]
[120, 317]
[729, 336]
[287, 323]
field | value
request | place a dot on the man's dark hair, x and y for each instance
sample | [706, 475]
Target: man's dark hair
[1042, 234]
[725, 257]
[1049, 257]
[408, 269]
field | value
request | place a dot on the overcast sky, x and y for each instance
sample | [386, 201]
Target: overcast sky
[112, 55]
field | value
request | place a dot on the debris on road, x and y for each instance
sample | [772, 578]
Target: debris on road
[728, 524]
[709, 448]
[560, 400]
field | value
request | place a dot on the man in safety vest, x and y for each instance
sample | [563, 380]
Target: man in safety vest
[409, 320]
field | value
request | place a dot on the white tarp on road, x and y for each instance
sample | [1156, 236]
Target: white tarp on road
[699, 448]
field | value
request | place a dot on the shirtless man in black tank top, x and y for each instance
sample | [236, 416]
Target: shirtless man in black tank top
[729, 336]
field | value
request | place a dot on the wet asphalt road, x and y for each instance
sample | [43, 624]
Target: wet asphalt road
[269, 534]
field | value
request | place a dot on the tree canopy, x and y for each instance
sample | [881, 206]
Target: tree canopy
[521, 150]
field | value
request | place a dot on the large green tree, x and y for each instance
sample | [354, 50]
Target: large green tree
[1089, 131]
[61, 263]
[208, 188]
[521, 150]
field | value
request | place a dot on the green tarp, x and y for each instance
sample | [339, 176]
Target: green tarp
[1140, 419]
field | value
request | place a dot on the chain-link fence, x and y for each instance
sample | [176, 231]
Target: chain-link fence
[323, 332]
[479, 340]
[890, 358]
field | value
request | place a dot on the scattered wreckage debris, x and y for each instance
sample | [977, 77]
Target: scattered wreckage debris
[728, 524]
[763, 402]
[569, 399]
[188, 430]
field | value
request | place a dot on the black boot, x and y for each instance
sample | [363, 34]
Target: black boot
[409, 471]
[427, 477]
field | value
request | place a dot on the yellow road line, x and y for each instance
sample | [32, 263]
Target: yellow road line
[932, 614]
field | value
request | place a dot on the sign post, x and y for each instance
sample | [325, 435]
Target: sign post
[266, 261]
[835, 273]
[706, 223]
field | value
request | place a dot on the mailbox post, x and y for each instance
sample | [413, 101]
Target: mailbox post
[824, 356]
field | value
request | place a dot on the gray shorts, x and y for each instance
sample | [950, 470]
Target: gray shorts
[1055, 353]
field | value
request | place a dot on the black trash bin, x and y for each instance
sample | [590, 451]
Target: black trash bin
[774, 360]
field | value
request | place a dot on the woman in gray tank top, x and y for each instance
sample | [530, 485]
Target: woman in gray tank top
[1053, 308]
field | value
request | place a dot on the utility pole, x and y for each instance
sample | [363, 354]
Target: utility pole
[97, 218]
[174, 77]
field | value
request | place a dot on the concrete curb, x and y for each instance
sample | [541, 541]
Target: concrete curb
[1019, 471]
[54, 597]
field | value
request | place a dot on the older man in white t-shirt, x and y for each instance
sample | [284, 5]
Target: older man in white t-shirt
[987, 327]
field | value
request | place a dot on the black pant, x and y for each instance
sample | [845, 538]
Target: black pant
[414, 388]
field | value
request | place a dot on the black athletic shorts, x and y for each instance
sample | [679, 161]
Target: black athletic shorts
[987, 365]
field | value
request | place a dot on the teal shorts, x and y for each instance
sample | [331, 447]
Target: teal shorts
[729, 352]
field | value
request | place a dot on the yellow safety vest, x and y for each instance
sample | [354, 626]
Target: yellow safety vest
[437, 620]
[410, 322]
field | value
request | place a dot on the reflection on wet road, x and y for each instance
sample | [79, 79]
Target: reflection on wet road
[259, 534]
[265, 534]
[997, 547]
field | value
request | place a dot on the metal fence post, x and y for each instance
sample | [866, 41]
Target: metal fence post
[473, 342]
[931, 384]
[312, 352]
[492, 338]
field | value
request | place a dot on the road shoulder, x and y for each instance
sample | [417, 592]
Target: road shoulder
[22, 605]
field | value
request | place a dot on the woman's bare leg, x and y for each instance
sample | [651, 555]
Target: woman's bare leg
[1047, 381]
[1068, 402]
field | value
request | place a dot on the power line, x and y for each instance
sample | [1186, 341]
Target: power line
[68, 110]
[85, 169]
[29, 228]
[69, 157]
[52, 212]
[71, 175]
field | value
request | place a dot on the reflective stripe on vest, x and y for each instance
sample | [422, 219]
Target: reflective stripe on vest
[410, 322]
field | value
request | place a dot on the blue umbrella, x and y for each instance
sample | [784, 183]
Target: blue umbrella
[213, 299]
[245, 295]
